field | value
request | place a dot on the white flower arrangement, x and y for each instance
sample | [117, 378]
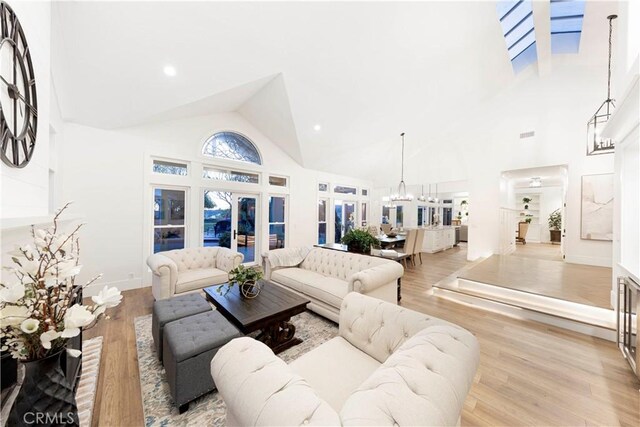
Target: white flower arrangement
[39, 310]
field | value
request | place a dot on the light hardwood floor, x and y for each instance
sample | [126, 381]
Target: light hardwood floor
[529, 374]
[583, 284]
[546, 251]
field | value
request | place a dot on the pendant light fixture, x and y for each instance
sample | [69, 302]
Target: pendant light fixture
[430, 199]
[436, 199]
[422, 198]
[596, 144]
[401, 195]
[390, 203]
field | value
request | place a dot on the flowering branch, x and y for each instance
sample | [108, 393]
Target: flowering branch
[40, 311]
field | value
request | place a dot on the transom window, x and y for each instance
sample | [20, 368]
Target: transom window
[231, 146]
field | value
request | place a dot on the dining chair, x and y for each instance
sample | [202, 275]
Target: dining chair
[409, 244]
[374, 230]
[386, 228]
[417, 247]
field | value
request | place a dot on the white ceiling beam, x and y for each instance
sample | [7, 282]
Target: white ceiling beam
[542, 25]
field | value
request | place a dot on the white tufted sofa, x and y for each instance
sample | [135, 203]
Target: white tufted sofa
[388, 366]
[326, 276]
[186, 270]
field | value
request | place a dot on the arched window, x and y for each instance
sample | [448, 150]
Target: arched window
[231, 146]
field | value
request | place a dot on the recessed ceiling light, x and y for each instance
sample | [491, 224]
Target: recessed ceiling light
[317, 128]
[170, 70]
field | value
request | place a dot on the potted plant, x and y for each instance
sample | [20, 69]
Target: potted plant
[359, 241]
[526, 202]
[555, 224]
[528, 219]
[247, 279]
[39, 312]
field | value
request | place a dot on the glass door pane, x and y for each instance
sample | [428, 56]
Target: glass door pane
[322, 221]
[277, 216]
[217, 218]
[339, 223]
[345, 218]
[168, 219]
[245, 227]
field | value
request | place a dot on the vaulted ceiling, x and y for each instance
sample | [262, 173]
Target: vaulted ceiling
[364, 72]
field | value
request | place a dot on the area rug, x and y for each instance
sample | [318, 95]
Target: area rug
[209, 410]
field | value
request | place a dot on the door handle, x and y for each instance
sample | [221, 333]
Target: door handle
[234, 234]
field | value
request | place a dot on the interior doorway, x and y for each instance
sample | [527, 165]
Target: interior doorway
[533, 206]
[230, 221]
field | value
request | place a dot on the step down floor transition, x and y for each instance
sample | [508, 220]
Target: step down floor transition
[570, 296]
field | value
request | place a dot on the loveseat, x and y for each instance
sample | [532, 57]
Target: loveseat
[180, 271]
[326, 276]
[387, 366]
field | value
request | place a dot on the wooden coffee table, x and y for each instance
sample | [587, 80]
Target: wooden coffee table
[270, 313]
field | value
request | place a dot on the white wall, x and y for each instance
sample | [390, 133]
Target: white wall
[104, 173]
[557, 106]
[25, 191]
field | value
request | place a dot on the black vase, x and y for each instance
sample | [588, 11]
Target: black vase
[46, 398]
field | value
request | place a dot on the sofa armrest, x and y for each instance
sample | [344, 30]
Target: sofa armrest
[165, 272]
[259, 388]
[227, 260]
[372, 278]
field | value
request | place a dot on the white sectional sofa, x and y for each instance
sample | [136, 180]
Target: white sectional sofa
[187, 270]
[326, 276]
[388, 366]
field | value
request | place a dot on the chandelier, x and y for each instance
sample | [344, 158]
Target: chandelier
[389, 203]
[421, 197]
[535, 182]
[596, 144]
[401, 195]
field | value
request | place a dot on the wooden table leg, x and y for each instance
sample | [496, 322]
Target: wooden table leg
[279, 335]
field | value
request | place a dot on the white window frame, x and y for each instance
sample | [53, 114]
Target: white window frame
[187, 165]
[187, 212]
[212, 159]
[286, 218]
[277, 176]
[327, 207]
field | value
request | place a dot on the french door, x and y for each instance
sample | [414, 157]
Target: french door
[345, 218]
[230, 220]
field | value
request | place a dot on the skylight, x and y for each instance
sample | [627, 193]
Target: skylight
[516, 20]
[566, 25]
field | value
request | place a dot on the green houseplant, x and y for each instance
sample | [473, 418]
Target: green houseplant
[555, 224]
[247, 279]
[359, 241]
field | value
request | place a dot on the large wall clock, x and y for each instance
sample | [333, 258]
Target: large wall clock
[18, 101]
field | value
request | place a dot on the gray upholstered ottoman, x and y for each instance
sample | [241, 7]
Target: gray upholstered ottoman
[189, 346]
[168, 310]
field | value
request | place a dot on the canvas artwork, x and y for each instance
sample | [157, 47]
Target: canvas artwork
[597, 207]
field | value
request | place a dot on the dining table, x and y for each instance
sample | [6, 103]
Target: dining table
[386, 241]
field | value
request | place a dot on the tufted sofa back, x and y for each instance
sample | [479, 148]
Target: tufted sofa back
[338, 264]
[427, 378]
[193, 258]
[377, 327]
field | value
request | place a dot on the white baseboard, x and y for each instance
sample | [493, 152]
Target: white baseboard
[588, 260]
[122, 285]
